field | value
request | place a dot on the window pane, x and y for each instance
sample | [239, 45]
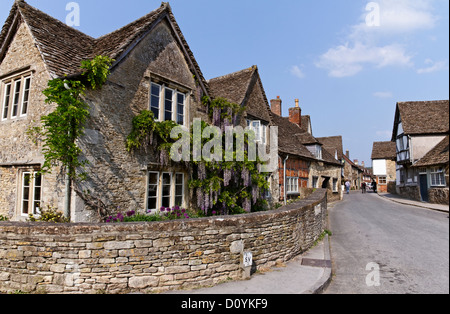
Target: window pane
[153, 178]
[178, 190]
[168, 106]
[6, 100]
[179, 178]
[25, 207]
[16, 98]
[26, 179]
[152, 203]
[26, 94]
[26, 193]
[37, 179]
[166, 179]
[166, 185]
[165, 201]
[37, 193]
[154, 99]
[180, 108]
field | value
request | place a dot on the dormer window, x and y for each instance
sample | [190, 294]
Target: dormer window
[316, 150]
[260, 130]
[168, 104]
[15, 96]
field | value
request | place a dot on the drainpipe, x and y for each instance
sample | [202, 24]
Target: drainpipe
[67, 198]
[284, 173]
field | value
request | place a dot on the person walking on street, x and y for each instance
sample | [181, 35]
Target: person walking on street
[363, 187]
[347, 186]
[374, 186]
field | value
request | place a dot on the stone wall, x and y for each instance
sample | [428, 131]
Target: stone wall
[153, 257]
[439, 196]
[18, 152]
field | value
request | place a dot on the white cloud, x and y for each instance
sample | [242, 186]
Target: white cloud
[346, 60]
[379, 45]
[383, 94]
[297, 72]
[397, 17]
[433, 66]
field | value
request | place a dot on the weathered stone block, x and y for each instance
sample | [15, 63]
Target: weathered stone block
[177, 269]
[117, 245]
[84, 254]
[143, 282]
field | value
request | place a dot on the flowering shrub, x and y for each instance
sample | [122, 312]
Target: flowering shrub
[225, 187]
[165, 213]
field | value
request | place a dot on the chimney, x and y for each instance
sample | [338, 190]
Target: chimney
[356, 162]
[295, 114]
[275, 104]
[363, 164]
[347, 153]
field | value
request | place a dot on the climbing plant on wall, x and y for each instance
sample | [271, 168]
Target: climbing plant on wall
[61, 128]
[225, 187]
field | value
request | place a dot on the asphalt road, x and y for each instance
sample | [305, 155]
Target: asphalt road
[382, 247]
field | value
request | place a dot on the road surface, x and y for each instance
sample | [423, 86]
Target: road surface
[379, 246]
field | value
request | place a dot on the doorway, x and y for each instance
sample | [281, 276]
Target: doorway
[423, 182]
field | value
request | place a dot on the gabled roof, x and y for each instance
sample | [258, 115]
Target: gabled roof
[422, 117]
[333, 144]
[439, 155]
[237, 87]
[347, 160]
[63, 48]
[384, 150]
[293, 140]
[288, 141]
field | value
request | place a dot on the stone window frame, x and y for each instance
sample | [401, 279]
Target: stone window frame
[172, 194]
[335, 185]
[292, 186]
[261, 133]
[437, 177]
[177, 90]
[382, 180]
[22, 94]
[33, 172]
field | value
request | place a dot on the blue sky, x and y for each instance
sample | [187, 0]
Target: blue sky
[348, 61]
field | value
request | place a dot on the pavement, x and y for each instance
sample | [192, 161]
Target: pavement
[401, 200]
[295, 277]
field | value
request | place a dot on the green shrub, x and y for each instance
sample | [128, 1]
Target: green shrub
[49, 215]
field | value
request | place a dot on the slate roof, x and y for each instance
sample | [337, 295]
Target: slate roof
[422, 117]
[292, 140]
[384, 150]
[288, 141]
[333, 144]
[63, 47]
[439, 155]
[238, 87]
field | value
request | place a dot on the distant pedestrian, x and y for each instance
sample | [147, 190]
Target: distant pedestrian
[374, 186]
[363, 187]
[347, 186]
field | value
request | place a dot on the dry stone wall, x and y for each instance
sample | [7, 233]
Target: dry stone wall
[153, 257]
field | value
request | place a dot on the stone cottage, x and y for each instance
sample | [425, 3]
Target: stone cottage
[352, 172]
[420, 130]
[154, 69]
[303, 161]
[383, 161]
